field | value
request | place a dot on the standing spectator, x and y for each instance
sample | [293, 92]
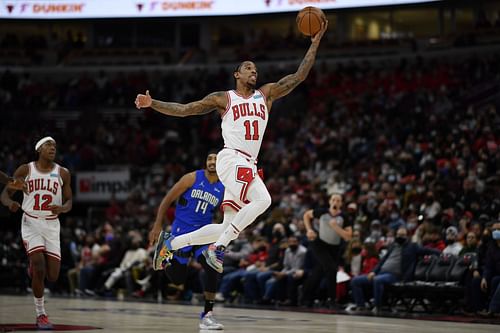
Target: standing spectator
[491, 272]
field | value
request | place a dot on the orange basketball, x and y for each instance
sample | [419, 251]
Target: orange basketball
[309, 20]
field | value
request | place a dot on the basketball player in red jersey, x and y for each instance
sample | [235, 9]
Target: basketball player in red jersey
[244, 113]
[47, 194]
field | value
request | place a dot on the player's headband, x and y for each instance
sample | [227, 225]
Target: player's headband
[42, 141]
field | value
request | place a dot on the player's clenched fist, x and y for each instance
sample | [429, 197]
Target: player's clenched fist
[14, 206]
[143, 101]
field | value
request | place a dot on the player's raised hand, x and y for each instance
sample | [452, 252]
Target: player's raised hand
[143, 101]
[316, 38]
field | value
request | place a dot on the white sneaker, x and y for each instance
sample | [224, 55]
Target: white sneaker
[208, 322]
[219, 297]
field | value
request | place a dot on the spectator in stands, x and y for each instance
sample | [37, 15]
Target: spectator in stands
[255, 281]
[135, 256]
[290, 277]
[397, 265]
[471, 244]
[491, 273]
[453, 246]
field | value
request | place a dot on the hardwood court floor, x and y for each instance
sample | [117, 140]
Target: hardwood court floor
[115, 316]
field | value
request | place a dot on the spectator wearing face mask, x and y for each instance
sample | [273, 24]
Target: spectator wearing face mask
[397, 265]
[490, 281]
[453, 246]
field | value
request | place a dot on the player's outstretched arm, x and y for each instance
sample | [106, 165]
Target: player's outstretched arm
[284, 86]
[216, 100]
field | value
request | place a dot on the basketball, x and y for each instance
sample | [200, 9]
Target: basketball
[309, 20]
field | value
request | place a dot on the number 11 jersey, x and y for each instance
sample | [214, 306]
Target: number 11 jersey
[244, 122]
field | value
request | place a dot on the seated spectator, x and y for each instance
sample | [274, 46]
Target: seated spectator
[253, 262]
[290, 277]
[135, 256]
[453, 246]
[471, 244]
[397, 265]
[255, 280]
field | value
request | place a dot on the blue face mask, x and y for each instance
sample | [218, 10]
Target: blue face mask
[495, 234]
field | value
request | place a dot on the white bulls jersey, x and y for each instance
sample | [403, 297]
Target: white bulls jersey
[44, 189]
[244, 122]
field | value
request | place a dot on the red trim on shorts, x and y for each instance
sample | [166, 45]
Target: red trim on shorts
[53, 255]
[39, 248]
[48, 218]
[230, 203]
[228, 104]
[249, 157]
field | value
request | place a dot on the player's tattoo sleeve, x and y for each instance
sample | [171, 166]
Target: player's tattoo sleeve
[288, 83]
[204, 106]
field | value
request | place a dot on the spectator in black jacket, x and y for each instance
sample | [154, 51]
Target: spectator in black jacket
[491, 272]
[397, 265]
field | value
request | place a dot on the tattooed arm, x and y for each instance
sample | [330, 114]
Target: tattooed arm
[217, 100]
[284, 86]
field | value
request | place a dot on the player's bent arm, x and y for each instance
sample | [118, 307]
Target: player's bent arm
[217, 100]
[21, 172]
[175, 192]
[67, 192]
[308, 217]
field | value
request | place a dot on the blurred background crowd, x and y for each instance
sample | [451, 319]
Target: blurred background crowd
[409, 139]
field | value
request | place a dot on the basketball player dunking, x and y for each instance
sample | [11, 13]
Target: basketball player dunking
[244, 113]
[47, 194]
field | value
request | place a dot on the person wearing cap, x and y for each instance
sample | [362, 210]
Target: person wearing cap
[453, 246]
[46, 195]
[326, 237]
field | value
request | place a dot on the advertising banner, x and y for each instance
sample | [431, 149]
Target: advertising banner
[100, 186]
[61, 9]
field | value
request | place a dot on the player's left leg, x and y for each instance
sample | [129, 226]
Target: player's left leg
[207, 318]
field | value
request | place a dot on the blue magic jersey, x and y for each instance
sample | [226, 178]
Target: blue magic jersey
[196, 207]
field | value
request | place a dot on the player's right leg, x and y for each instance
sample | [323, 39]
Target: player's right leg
[32, 232]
